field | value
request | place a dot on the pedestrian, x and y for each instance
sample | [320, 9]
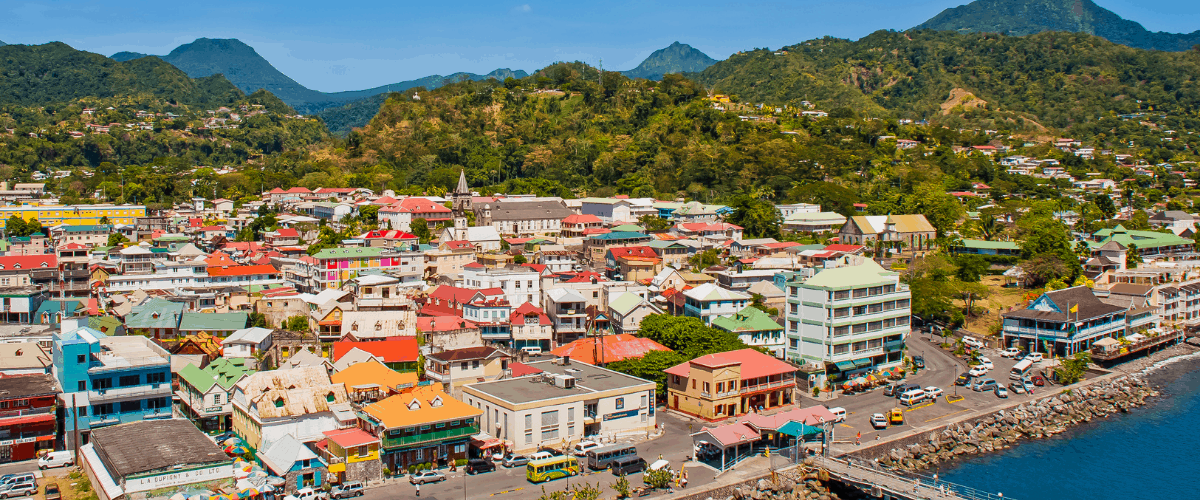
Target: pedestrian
[418, 490]
[917, 486]
[942, 487]
[858, 439]
[935, 478]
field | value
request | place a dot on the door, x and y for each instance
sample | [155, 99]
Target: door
[676, 402]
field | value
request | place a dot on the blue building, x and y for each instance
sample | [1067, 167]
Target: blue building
[108, 380]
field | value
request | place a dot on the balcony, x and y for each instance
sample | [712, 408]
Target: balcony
[400, 441]
[129, 393]
[769, 385]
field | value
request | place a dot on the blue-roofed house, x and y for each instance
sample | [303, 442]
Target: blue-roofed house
[290, 459]
[157, 317]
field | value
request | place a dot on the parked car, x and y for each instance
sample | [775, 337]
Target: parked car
[919, 361]
[479, 466]
[56, 459]
[657, 465]
[515, 461]
[890, 390]
[427, 476]
[1036, 357]
[18, 489]
[224, 436]
[629, 464]
[1001, 392]
[1027, 385]
[52, 492]
[978, 371]
[903, 388]
[1016, 387]
[1039, 380]
[532, 350]
[839, 414]
[896, 416]
[24, 477]
[963, 379]
[540, 455]
[1011, 352]
[580, 449]
[347, 490]
[933, 392]
[306, 494]
[986, 363]
[879, 421]
[986, 384]
[972, 342]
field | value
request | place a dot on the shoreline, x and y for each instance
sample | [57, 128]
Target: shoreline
[1125, 386]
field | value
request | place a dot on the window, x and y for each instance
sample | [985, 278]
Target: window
[463, 365]
[80, 358]
[81, 411]
[720, 389]
[475, 364]
[528, 437]
[644, 400]
[103, 409]
[217, 398]
[528, 422]
[156, 403]
[102, 383]
[693, 383]
[82, 385]
[128, 380]
[440, 425]
[156, 378]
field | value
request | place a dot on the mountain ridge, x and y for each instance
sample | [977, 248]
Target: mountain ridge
[675, 58]
[1027, 17]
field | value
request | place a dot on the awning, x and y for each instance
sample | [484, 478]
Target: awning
[484, 444]
[28, 419]
[797, 429]
[845, 365]
[859, 363]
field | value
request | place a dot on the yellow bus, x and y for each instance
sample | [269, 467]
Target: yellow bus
[549, 469]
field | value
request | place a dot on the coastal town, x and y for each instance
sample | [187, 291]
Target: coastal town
[244, 348]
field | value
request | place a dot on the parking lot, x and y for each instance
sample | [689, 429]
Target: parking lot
[942, 369]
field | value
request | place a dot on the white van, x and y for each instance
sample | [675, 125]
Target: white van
[912, 397]
[1021, 369]
[56, 459]
[532, 350]
[839, 414]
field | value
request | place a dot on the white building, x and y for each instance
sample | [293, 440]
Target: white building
[520, 284]
[709, 300]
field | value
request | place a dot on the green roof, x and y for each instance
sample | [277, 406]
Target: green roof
[749, 319]
[86, 228]
[195, 377]
[664, 244]
[632, 228]
[991, 245]
[144, 316]
[1142, 239]
[172, 238]
[625, 302]
[228, 371]
[213, 321]
[841, 278]
[341, 253]
[104, 323]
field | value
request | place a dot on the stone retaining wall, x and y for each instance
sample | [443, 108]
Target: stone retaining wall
[792, 483]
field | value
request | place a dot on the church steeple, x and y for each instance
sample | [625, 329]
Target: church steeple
[461, 197]
[462, 183]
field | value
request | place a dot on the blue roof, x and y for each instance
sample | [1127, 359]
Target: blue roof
[620, 235]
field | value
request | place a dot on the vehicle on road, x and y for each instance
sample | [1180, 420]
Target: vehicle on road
[986, 363]
[1039, 380]
[581, 448]
[933, 392]
[549, 469]
[52, 492]
[879, 421]
[479, 466]
[1027, 385]
[657, 465]
[839, 414]
[918, 361]
[1021, 369]
[972, 342]
[978, 371]
[56, 459]
[426, 477]
[18, 489]
[631, 464]
[306, 494]
[986, 384]
[1036, 357]
[903, 388]
[515, 461]
[1011, 352]
[896, 416]
[347, 490]
[1016, 387]
[1001, 392]
[24, 477]
[963, 379]
[532, 350]
[890, 390]
[912, 397]
[600, 458]
[541, 455]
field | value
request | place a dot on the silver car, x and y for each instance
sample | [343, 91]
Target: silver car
[18, 489]
[515, 461]
[427, 476]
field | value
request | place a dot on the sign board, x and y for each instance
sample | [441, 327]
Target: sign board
[621, 414]
[179, 478]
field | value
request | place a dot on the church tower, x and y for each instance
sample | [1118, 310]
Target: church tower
[461, 197]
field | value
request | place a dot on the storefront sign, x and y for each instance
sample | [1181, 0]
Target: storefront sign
[178, 478]
[620, 414]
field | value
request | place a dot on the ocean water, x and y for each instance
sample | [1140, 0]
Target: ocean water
[1149, 453]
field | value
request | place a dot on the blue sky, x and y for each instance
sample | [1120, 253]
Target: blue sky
[351, 45]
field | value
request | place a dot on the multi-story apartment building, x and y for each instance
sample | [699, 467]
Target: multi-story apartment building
[567, 310]
[335, 266]
[27, 418]
[74, 215]
[450, 257]
[300, 402]
[855, 317]
[728, 384]
[458, 367]
[520, 284]
[708, 301]
[206, 394]
[28, 270]
[108, 380]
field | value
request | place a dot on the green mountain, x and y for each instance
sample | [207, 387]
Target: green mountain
[56, 73]
[1026, 17]
[2, 43]
[127, 56]
[240, 64]
[676, 58]
[1058, 78]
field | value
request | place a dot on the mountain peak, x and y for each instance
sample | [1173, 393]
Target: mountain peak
[1026, 17]
[228, 45]
[675, 58]
[2, 43]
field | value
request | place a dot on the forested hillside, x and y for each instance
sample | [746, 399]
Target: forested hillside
[1057, 78]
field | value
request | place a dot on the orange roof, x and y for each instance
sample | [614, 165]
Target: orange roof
[373, 373]
[608, 348]
[420, 405]
[754, 364]
[400, 350]
[220, 259]
[242, 270]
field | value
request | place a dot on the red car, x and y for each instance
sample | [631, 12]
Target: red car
[1039, 380]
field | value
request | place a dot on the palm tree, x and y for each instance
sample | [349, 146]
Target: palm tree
[988, 227]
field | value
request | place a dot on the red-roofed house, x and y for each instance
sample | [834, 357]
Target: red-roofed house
[575, 225]
[449, 258]
[719, 230]
[400, 215]
[449, 332]
[846, 249]
[388, 239]
[19, 270]
[531, 327]
[608, 348]
[278, 194]
[399, 354]
[728, 384]
[282, 237]
[448, 300]
[634, 263]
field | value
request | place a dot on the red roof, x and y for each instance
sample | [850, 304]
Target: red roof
[637, 252]
[195, 222]
[704, 226]
[213, 228]
[585, 277]
[528, 309]
[28, 261]
[451, 295]
[781, 244]
[350, 438]
[417, 205]
[298, 190]
[333, 190]
[394, 234]
[540, 268]
[384, 200]
[596, 230]
[458, 244]
[220, 259]
[287, 232]
[608, 348]
[844, 248]
[521, 369]
[443, 323]
[401, 350]
[733, 434]
[754, 364]
[242, 270]
[582, 219]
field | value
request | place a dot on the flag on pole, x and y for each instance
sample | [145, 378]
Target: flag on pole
[1075, 308]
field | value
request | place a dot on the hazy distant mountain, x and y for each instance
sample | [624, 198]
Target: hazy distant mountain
[429, 82]
[2, 43]
[676, 58]
[1025, 17]
[127, 56]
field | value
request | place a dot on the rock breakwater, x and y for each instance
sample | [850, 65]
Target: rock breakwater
[806, 482]
[1033, 420]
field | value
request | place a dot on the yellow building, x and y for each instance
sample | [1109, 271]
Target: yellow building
[73, 215]
[353, 454]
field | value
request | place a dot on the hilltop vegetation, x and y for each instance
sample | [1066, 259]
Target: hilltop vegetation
[1057, 79]
[675, 58]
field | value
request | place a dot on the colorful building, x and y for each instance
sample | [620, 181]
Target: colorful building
[74, 215]
[728, 384]
[422, 425]
[27, 423]
[338, 265]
